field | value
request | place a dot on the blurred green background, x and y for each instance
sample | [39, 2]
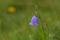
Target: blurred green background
[15, 26]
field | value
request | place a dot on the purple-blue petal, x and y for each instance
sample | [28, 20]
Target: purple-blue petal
[34, 20]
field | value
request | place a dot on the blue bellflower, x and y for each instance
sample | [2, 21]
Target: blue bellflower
[34, 21]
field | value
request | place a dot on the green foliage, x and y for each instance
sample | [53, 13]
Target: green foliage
[15, 26]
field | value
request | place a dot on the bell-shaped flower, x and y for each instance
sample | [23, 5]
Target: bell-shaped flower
[34, 21]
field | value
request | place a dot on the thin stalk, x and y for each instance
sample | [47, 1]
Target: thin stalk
[36, 13]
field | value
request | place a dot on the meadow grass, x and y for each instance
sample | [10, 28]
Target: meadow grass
[15, 25]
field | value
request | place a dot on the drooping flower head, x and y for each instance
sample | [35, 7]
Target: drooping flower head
[34, 21]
